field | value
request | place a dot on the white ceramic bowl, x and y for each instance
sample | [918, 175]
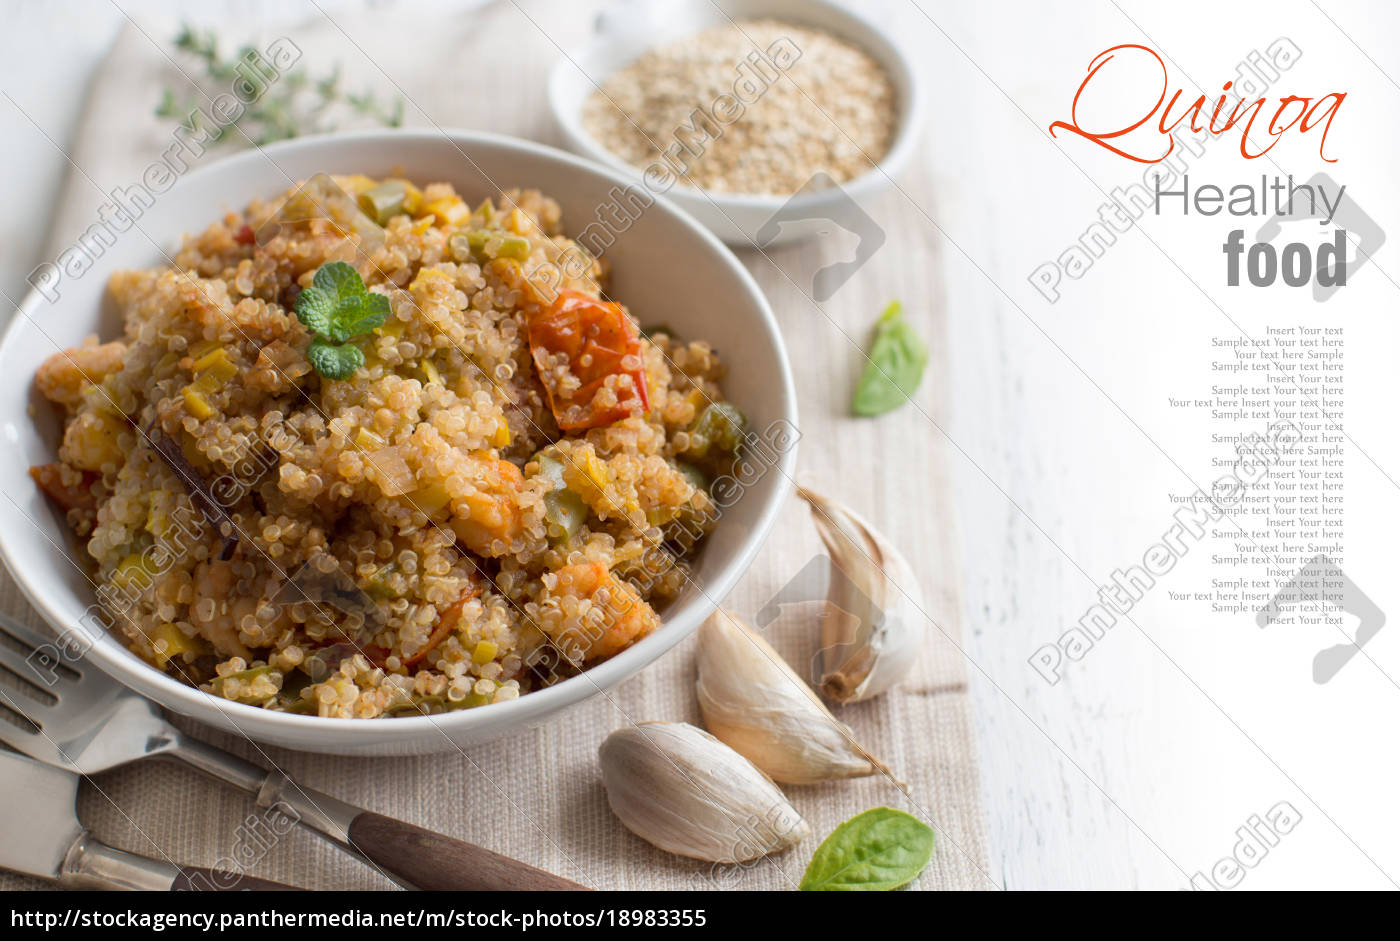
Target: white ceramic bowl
[665, 267]
[631, 28]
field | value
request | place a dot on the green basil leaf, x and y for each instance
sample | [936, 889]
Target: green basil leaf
[875, 851]
[334, 361]
[897, 360]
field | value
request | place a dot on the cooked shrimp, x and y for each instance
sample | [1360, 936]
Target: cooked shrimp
[214, 614]
[92, 440]
[616, 619]
[488, 520]
[64, 376]
[69, 488]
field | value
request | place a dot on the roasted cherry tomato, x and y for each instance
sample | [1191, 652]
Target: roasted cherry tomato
[595, 343]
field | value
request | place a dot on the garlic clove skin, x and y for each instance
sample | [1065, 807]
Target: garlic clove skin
[684, 791]
[756, 704]
[874, 627]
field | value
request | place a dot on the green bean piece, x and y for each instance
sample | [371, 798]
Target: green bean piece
[384, 201]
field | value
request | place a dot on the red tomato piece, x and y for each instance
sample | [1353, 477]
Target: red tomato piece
[603, 350]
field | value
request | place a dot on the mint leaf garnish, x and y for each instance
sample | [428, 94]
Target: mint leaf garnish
[334, 361]
[336, 308]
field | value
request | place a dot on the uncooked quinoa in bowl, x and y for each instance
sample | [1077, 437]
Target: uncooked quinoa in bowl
[764, 119]
[749, 106]
[369, 450]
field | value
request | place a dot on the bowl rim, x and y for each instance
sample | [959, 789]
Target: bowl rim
[250, 720]
[893, 58]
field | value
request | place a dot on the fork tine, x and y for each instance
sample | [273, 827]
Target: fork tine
[34, 638]
[17, 718]
[28, 668]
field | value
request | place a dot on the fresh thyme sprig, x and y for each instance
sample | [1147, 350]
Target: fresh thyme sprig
[296, 104]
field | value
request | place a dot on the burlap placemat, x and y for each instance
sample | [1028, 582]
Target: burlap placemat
[537, 795]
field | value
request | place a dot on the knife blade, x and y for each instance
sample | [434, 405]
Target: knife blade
[40, 835]
[38, 816]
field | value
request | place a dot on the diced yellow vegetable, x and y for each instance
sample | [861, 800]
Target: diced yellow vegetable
[211, 370]
[132, 572]
[157, 521]
[176, 644]
[431, 372]
[357, 184]
[594, 469]
[216, 363]
[430, 499]
[196, 403]
[413, 196]
[449, 210]
[484, 652]
[368, 440]
[199, 349]
[502, 437]
[427, 274]
[393, 327]
[423, 224]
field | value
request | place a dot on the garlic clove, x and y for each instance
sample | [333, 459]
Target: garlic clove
[874, 634]
[684, 791]
[756, 704]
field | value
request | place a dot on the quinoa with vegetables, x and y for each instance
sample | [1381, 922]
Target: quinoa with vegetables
[399, 457]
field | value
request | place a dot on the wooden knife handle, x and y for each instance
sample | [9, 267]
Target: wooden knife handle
[201, 879]
[432, 861]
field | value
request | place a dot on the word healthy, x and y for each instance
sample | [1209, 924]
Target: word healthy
[1298, 262]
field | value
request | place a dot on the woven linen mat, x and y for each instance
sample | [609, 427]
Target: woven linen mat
[537, 795]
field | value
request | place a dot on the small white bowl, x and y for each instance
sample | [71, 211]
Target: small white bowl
[625, 32]
[665, 267]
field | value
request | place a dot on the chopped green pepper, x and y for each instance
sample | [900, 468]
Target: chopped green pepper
[721, 425]
[384, 201]
[417, 707]
[564, 510]
[246, 676]
[486, 244]
[304, 707]
[378, 584]
[249, 674]
[694, 476]
[434, 705]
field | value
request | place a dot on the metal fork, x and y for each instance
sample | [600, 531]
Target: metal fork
[74, 716]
